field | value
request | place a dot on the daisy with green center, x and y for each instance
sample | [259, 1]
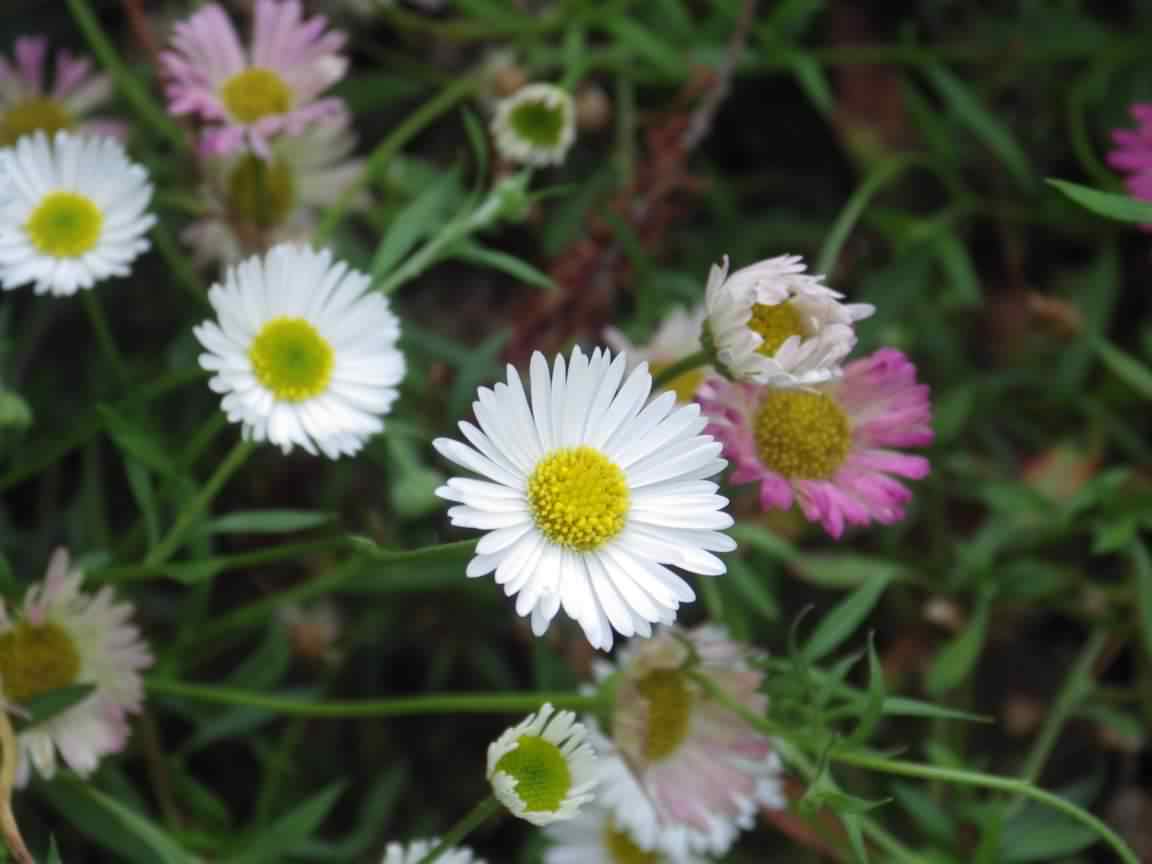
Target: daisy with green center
[543, 770]
[62, 637]
[832, 449]
[248, 96]
[303, 351]
[772, 323]
[418, 850]
[595, 837]
[685, 774]
[536, 125]
[676, 338]
[588, 493]
[73, 212]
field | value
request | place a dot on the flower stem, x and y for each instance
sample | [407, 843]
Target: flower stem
[163, 550]
[670, 373]
[9, 756]
[877, 179]
[476, 817]
[95, 310]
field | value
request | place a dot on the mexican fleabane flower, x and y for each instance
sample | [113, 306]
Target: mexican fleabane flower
[253, 203]
[62, 637]
[303, 351]
[689, 773]
[588, 493]
[1133, 153]
[536, 125]
[832, 449]
[543, 769]
[247, 96]
[73, 212]
[772, 323]
[595, 837]
[417, 850]
[28, 104]
[677, 337]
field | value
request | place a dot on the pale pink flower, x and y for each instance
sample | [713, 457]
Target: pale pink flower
[828, 448]
[1133, 153]
[63, 637]
[247, 96]
[28, 104]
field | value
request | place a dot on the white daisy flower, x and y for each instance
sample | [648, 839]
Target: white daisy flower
[62, 637]
[417, 851]
[73, 212]
[677, 337]
[772, 323]
[304, 353]
[536, 125]
[588, 493]
[594, 837]
[543, 770]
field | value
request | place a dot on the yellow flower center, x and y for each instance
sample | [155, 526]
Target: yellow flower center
[541, 772]
[65, 225]
[579, 498]
[256, 93]
[538, 123]
[802, 434]
[261, 193]
[684, 386]
[291, 359]
[775, 323]
[670, 702]
[35, 659]
[34, 115]
[622, 849]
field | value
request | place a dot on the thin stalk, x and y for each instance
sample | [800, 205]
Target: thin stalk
[9, 756]
[104, 339]
[877, 179]
[670, 373]
[475, 817]
[221, 563]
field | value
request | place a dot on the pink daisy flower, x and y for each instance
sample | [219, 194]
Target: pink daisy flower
[828, 448]
[28, 104]
[1133, 153]
[246, 97]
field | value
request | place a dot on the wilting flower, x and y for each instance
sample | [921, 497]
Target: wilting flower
[1133, 153]
[828, 448]
[246, 97]
[690, 773]
[303, 351]
[417, 850]
[28, 104]
[543, 770]
[588, 494]
[62, 637]
[594, 837]
[73, 212]
[772, 323]
[536, 125]
[677, 337]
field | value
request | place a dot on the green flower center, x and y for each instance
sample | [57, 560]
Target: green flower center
[622, 849]
[65, 225]
[34, 115]
[685, 385]
[541, 772]
[802, 434]
[261, 193]
[256, 93]
[540, 124]
[35, 659]
[291, 359]
[775, 323]
[579, 498]
[670, 702]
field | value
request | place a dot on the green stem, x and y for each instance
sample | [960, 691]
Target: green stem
[877, 179]
[182, 269]
[163, 550]
[99, 321]
[475, 817]
[670, 373]
[141, 572]
[441, 703]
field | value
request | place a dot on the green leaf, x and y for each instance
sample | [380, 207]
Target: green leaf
[835, 627]
[1112, 205]
[137, 442]
[956, 660]
[642, 42]
[265, 522]
[1142, 575]
[751, 587]
[877, 695]
[290, 830]
[763, 539]
[1124, 366]
[1037, 834]
[837, 570]
[505, 263]
[142, 828]
[47, 705]
[419, 218]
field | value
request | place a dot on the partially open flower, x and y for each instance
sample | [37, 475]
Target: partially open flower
[536, 125]
[417, 850]
[543, 770]
[677, 337]
[595, 837]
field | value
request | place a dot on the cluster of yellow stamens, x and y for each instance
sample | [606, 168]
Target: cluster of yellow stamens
[775, 323]
[291, 359]
[35, 659]
[256, 93]
[670, 700]
[579, 498]
[65, 225]
[801, 434]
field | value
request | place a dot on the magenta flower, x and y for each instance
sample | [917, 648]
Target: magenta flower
[1133, 153]
[828, 448]
[247, 97]
[28, 104]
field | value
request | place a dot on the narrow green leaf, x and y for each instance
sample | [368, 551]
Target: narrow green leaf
[47, 705]
[265, 522]
[1142, 574]
[142, 828]
[419, 218]
[750, 586]
[642, 42]
[505, 263]
[1112, 205]
[877, 694]
[1124, 366]
[136, 442]
[296, 826]
[956, 660]
[837, 570]
[835, 627]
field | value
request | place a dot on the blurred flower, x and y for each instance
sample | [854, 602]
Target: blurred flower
[536, 125]
[588, 494]
[594, 837]
[772, 323]
[63, 637]
[829, 448]
[313, 630]
[499, 76]
[27, 105]
[691, 773]
[274, 88]
[255, 204]
[1133, 153]
[73, 212]
[543, 770]
[593, 108]
[677, 337]
[304, 352]
[417, 850]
